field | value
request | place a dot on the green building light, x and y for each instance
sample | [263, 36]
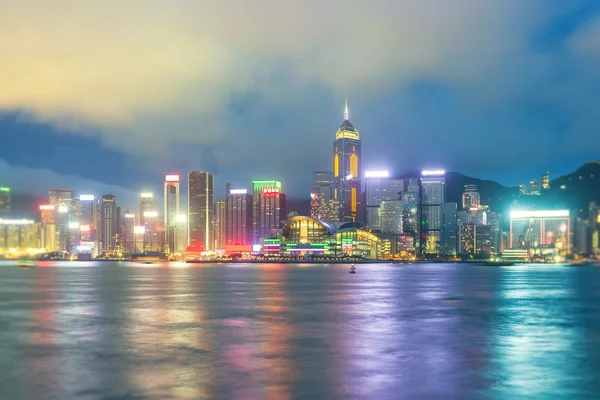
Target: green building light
[4, 189]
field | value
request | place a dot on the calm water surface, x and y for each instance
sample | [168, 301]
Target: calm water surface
[428, 331]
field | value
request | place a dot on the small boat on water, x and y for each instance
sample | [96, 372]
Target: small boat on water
[25, 263]
[149, 257]
[353, 269]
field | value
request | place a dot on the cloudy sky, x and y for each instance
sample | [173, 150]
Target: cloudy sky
[111, 95]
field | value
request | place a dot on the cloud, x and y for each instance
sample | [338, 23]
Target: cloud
[145, 73]
[37, 181]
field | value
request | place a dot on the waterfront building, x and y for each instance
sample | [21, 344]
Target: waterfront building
[171, 210]
[220, 224]
[239, 217]
[88, 215]
[308, 236]
[130, 224]
[541, 231]
[322, 202]
[475, 240]
[534, 188]
[200, 210]
[4, 199]
[390, 213]
[546, 181]
[379, 187]
[448, 234]
[433, 194]
[411, 217]
[181, 232]
[109, 222]
[269, 209]
[347, 170]
[18, 235]
[523, 189]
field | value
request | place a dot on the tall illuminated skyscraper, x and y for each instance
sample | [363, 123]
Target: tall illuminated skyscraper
[239, 217]
[200, 210]
[171, 211]
[220, 224]
[269, 209]
[109, 222]
[322, 204]
[347, 170]
[4, 200]
[129, 232]
[433, 194]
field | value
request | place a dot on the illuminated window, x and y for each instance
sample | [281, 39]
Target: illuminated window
[336, 165]
[353, 200]
[354, 165]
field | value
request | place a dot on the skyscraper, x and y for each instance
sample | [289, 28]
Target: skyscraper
[171, 211]
[88, 217]
[239, 217]
[347, 170]
[61, 197]
[471, 197]
[433, 194]
[129, 233]
[448, 235]
[109, 222]
[546, 181]
[4, 200]
[200, 210]
[390, 213]
[269, 209]
[534, 188]
[379, 187]
[220, 224]
[323, 206]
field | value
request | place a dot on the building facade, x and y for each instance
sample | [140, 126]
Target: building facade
[239, 217]
[109, 222]
[433, 194]
[269, 209]
[170, 212]
[220, 224]
[347, 170]
[200, 210]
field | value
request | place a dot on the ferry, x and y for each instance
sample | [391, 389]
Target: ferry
[149, 257]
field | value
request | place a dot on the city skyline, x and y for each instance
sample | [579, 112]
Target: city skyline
[490, 107]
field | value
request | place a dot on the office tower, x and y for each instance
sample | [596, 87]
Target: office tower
[534, 188]
[239, 217]
[410, 214]
[109, 222]
[433, 194]
[171, 211]
[390, 212]
[269, 209]
[471, 197]
[181, 233]
[523, 189]
[129, 232]
[17, 235]
[379, 187]
[48, 227]
[323, 206]
[448, 235]
[546, 181]
[495, 222]
[61, 197]
[347, 170]
[147, 203]
[475, 239]
[4, 200]
[88, 217]
[220, 224]
[200, 210]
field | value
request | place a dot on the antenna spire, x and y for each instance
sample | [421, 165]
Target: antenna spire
[346, 110]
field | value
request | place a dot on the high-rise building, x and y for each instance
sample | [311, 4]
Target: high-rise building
[171, 212]
[4, 199]
[130, 223]
[411, 215]
[471, 197]
[48, 227]
[379, 187]
[347, 170]
[220, 224]
[200, 210]
[18, 234]
[448, 235]
[147, 203]
[269, 209]
[390, 212]
[181, 233]
[61, 197]
[239, 217]
[109, 222]
[546, 181]
[63, 200]
[523, 189]
[433, 194]
[88, 217]
[323, 206]
[534, 188]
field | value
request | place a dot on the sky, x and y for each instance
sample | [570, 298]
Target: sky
[112, 95]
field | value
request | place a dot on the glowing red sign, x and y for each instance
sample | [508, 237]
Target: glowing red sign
[270, 191]
[172, 178]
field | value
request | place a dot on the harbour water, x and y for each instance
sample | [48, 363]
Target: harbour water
[425, 331]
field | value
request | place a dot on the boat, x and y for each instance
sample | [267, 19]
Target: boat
[149, 257]
[353, 269]
[25, 263]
